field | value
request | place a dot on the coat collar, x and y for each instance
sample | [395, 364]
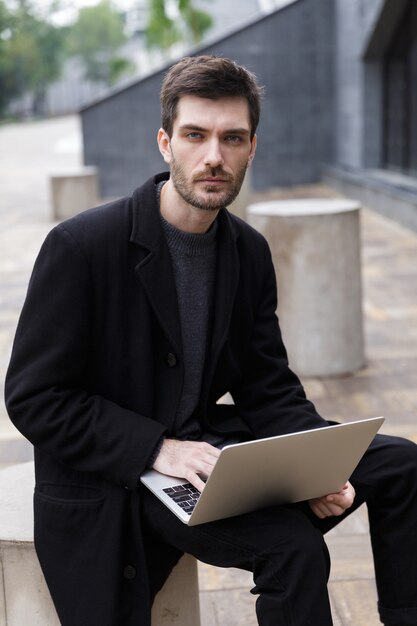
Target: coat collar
[154, 267]
[156, 273]
[146, 223]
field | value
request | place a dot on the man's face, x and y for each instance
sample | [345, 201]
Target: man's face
[209, 150]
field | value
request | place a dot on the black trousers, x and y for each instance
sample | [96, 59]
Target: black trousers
[284, 546]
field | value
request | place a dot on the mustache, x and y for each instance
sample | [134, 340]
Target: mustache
[213, 172]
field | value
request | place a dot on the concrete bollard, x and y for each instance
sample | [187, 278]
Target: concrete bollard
[315, 245]
[24, 596]
[73, 192]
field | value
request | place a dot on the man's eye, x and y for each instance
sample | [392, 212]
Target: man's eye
[194, 135]
[233, 139]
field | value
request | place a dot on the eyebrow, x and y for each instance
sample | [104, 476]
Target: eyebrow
[229, 131]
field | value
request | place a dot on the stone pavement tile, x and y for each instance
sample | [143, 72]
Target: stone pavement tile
[225, 597]
[404, 365]
[214, 578]
[391, 340]
[228, 608]
[354, 602]
[351, 557]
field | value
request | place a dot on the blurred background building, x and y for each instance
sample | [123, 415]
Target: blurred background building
[340, 106]
[72, 90]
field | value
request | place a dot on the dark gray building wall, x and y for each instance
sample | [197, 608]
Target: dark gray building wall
[363, 29]
[119, 136]
[348, 83]
[358, 102]
[290, 50]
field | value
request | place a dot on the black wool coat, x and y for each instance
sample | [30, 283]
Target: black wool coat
[96, 375]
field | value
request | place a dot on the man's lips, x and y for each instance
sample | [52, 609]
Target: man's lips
[212, 181]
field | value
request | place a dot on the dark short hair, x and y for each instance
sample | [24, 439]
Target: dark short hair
[210, 77]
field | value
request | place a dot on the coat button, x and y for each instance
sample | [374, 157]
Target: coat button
[129, 572]
[171, 359]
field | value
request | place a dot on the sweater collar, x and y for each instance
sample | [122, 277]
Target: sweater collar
[147, 227]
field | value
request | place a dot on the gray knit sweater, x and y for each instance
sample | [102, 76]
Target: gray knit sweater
[194, 263]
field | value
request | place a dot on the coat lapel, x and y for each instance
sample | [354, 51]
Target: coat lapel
[227, 279]
[154, 266]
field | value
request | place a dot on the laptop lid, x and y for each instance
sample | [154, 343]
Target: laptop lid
[276, 470]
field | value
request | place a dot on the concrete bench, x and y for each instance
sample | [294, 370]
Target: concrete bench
[24, 596]
[315, 245]
[73, 191]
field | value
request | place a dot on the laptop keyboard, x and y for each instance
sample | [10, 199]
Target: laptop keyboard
[186, 496]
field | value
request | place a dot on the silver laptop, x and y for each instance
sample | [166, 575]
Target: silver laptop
[264, 472]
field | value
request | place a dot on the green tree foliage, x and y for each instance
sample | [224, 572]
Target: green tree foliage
[163, 31]
[197, 22]
[31, 54]
[8, 86]
[96, 37]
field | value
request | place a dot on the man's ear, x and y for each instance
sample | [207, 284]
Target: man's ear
[252, 150]
[164, 145]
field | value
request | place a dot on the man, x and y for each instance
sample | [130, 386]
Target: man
[139, 316]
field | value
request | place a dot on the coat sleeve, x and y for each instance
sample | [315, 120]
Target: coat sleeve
[270, 396]
[46, 387]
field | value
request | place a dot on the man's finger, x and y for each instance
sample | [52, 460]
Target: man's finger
[195, 480]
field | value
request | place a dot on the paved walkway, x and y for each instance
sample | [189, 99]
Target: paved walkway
[387, 385]
[28, 153]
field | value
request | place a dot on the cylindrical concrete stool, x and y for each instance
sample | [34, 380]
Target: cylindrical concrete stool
[24, 596]
[315, 246]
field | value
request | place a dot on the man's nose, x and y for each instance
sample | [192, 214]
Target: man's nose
[213, 156]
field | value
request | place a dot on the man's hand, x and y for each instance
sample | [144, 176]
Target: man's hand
[334, 503]
[187, 459]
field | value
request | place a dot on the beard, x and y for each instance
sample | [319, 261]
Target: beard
[221, 197]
